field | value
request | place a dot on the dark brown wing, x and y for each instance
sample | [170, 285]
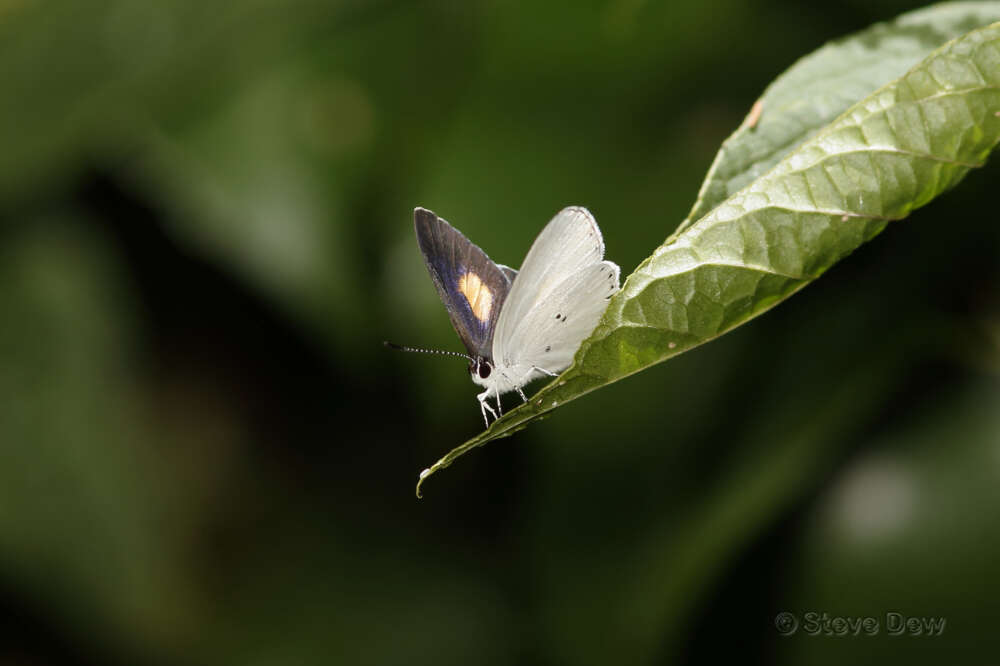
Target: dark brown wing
[470, 285]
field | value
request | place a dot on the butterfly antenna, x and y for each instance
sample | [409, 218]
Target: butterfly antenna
[442, 352]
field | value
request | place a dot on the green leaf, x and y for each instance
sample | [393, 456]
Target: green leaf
[891, 152]
[822, 85]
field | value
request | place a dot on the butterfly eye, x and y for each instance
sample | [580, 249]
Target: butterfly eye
[484, 370]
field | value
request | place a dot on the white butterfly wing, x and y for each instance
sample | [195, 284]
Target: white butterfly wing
[569, 242]
[555, 302]
[549, 335]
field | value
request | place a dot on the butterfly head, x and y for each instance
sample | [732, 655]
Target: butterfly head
[481, 369]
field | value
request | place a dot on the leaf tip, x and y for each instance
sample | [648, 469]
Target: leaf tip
[420, 481]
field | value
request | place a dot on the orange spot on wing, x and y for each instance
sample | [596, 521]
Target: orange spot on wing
[479, 296]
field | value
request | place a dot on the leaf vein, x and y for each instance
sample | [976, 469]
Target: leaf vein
[722, 264]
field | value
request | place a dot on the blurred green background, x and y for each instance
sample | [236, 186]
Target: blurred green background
[207, 457]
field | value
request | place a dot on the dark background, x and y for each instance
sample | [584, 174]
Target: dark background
[207, 457]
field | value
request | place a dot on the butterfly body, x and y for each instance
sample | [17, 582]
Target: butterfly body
[520, 326]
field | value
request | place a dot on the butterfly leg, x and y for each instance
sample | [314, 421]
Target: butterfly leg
[520, 392]
[544, 371]
[485, 406]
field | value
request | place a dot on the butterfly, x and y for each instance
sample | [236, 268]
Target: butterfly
[519, 326]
